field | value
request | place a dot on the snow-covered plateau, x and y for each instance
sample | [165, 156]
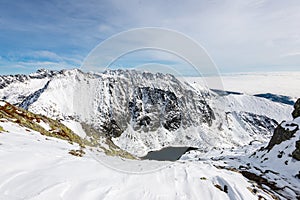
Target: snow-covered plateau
[74, 135]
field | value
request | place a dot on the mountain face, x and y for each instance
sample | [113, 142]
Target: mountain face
[162, 105]
[141, 111]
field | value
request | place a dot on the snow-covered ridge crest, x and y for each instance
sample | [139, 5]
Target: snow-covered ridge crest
[15, 88]
[118, 95]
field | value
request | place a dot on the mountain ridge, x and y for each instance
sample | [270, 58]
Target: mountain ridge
[142, 111]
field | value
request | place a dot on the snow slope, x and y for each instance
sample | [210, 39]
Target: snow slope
[274, 169]
[36, 167]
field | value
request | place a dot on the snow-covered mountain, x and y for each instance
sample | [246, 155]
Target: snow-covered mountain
[142, 111]
[242, 152]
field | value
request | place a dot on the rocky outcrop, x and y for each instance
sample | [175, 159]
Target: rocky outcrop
[54, 128]
[6, 80]
[152, 108]
[283, 132]
[33, 97]
[37, 123]
[296, 112]
[263, 124]
[296, 153]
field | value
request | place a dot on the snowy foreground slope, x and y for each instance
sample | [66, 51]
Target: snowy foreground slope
[36, 167]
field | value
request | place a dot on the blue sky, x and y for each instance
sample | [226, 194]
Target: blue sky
[240, 36]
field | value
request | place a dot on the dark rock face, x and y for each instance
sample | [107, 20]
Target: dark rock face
[8, 79]
[282, 134]
[296, 153]
[263, 124]
[112, 129]
[296, 112]
[286, 131]
[43, 73]
[40, 74]
[147, 101]
[33, 97]
[152, 108]
[260, 180]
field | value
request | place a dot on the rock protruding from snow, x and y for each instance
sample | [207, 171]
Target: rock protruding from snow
[296, 112]
[287, 131]
[33, 97]
[296, 153]
[151, 108]
[39, 123]
[283, 132]
[8, 79]
[43, 73]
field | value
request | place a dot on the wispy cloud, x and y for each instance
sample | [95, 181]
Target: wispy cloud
[54, 57]
[291, 54]
[239, 35]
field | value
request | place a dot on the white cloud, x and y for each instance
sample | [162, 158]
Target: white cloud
[45, 64]
[104, 28]
[291, 54]
[239, 35]
[53, 57]
[46, 54]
